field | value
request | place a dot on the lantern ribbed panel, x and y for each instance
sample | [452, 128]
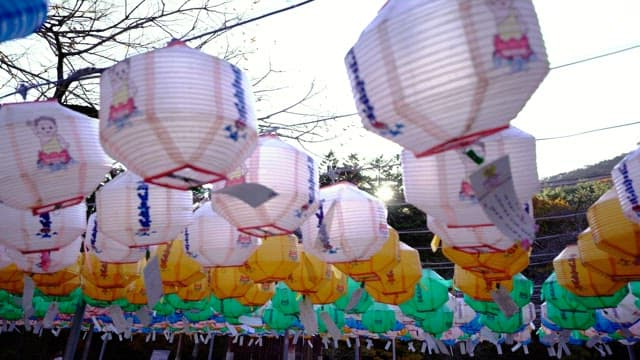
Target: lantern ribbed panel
[379, 318]
[48, 261]
[384, 260]
[477, 287]
[14, 287]
[108, 275]
[439, 184]
[331, 289]
[434, 75]
[229, 281]
[611, 230]
[626, 179]
[151, 104]
[177, 266]
[136, 293]
[138, 214]
[274, 260]
[95, 292]
[22, 231]
[577, 278]
[109, 250]
[374, 288]
[404, 276]
[52, 279]
[215, 242]
[50, 156]
[258, 294]
[309, 273]
[10, 273]
[197, 291]
[618, 269]
[291, 173]
[21, 18]
[353, 226]
[500, 265]
[569, 320]
[626, 312]
[479, 239]
[63, 289]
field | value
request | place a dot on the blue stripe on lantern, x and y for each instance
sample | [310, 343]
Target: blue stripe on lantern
[21, 18]
[144, 215]
[45, 227]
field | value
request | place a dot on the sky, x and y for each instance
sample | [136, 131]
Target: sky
[309, 44]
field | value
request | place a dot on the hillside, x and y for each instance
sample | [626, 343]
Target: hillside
[589, 172]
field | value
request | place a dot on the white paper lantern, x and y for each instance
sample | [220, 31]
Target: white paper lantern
[136, 214]
[626, 178]
[50, 156]
[22, 231]
[528, 313]
[290, 173]
[107, 249]
[349, 225]
[439, 185]
[215, 242]
[177, 116]
[626, 312]
[46, 262]
[477, 239]
[435, 75]
[462, 312]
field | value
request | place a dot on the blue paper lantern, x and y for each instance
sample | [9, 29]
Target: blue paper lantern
[21, 18]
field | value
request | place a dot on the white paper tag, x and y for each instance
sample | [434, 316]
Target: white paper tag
[308, 316]
[423, 348]
[493, 185]
[386, 347]
[152, 282]
[51, 314]
[253, 194]
[355, 298]
[252, 321]
[232, 330]
[503, 299]
[27, 295]
[144, 316]
[119, 322]
[332, 329]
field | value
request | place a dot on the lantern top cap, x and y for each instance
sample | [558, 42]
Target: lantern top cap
[176, 42]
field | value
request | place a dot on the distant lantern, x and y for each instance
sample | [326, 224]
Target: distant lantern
[21, 18]
[291, 176]
[433, 76]
[48, 261]
[350, 225]
[151, 103]
[21, 231]
[50, 155]
[197, 291]
[229, 281]
[332, 289]
[137, 214]
[568, 319]
[471, 239]
[474, 285]
[96, 293]
[404, 276]
[617, 268]
[626, 178]
[611, 230]
[379, 318]
[177, 267]
[381, 262]
[215, 242]
[577, 278]
[274, 260]
[108, 275]
[431, 292]
[258, 294]
[626, 313]
[501, 265]
[439, 184]
[308, 275]
[520, 294]
[106, 249]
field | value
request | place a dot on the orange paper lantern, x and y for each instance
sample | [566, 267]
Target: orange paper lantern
[500, 265]
[229, 281]
[617, 268]
[274, 260]
[475, 286]
[381, 262]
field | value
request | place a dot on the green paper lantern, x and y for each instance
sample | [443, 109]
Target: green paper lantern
[163, 308]
[379, 318]
[363, 304]
[285, 300]
[520, 294]
[634, 286]
[600, 302]
[499, 323]
[276, 320]
[571, 320]
[10, 312]
[336, 315]
[431, 292]
[183, 305]
[438, 321]
[229, 307]
[558, 296]
[126, 306]
[194, 315]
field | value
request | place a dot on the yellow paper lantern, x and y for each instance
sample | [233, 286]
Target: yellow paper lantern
[475, 286]
[229, 281]
[61, 289]
[331, 289]
[107, 249]
[618, 269]
[274, 260]
[177, 267]
[47, 261]
[258, 294]
[611, 230]
[66, 274]
[373, 288]
[501, 265]
[108, 275]
[432, 76]
[24, 232]
[14, 287]
[150, 128]
[101, 293]
[50, 155]
[10, 273]
[135, 292]
[404, 276]
[196, 291]
[381, 262]
[308, 275]
[137, 214]
[580, 280]
[290, 173]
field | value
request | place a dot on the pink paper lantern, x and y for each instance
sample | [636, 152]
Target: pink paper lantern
[176, 116]
[106, 249]
[214, 242]
[50, 155]
[137, 214]
[289, 172]
[21, 231]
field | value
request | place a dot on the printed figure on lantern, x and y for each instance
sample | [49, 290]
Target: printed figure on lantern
[472, 157]
[45, 231]
[237, 176]
[53, 153]
[122, 104]
[511, 43]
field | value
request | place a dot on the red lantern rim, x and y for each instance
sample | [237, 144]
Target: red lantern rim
[461, 141]
[39, 210]
[154, 179]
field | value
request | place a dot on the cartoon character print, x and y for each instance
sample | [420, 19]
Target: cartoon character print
[511, 44]
[122, 103]
[54, 149]
[466, 192]
[237, 176]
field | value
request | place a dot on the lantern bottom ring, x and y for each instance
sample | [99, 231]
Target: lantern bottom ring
[461, 141]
